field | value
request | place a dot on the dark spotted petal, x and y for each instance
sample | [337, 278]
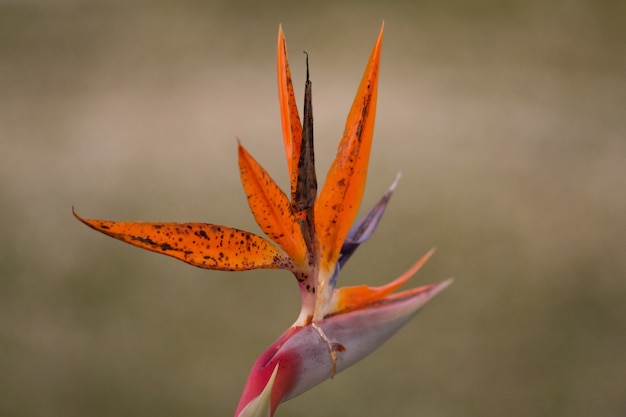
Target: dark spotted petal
[200, 244]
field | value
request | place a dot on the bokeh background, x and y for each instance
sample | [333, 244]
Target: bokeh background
[507, 119]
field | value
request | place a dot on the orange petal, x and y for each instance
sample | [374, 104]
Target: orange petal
[292, 128]
[352, 298]
[271, 208]
[199, 244]
[340, 198]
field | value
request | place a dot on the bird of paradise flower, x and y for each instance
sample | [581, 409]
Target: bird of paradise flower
[314, 234]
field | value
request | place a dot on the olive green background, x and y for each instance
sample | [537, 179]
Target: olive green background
[507, 120]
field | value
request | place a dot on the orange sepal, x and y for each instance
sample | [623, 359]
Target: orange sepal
[199, 244]
[353, 298]
[271, 208]
[290, 120]
[340, 197]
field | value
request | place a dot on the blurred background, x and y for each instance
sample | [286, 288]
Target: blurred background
[506, 118]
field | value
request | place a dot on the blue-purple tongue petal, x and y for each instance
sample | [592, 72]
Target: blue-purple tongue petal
[364, 228]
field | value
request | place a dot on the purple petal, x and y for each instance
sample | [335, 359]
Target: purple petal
[363, 229]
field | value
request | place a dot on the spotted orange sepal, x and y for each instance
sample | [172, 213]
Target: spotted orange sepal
[200, 244]
[340, 198]
[271, 208]
[290, 120]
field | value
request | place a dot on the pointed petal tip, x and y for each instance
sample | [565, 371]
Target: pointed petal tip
[380, 34]
[411, 271]
[261, 406]
[82, 219]
[395, 182]
[75, 214]
[281, 36]
[443, 285]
